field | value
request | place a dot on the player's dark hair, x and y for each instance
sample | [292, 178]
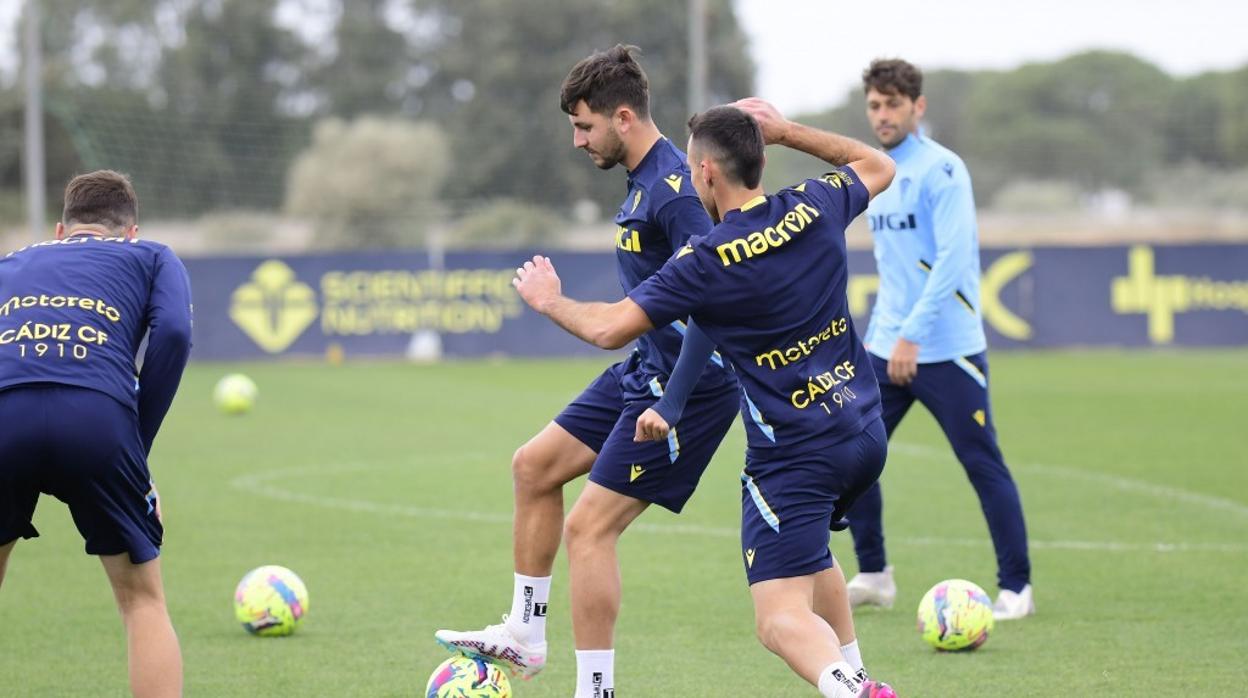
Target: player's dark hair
[734, 140]
[103, 197]
[893, 76]
[606, 80]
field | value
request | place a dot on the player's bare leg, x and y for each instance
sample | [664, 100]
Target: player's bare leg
[5, 550]
[592, 532]
[831, 603]
[152, 646]
[787, 624]
[539, 470]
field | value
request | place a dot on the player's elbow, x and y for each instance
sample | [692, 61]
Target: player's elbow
[885, 169]
[615, 332]
[888, 169]
[611, 337]
[876, 171]
[174, 336]
[182, 335]
[618, 325]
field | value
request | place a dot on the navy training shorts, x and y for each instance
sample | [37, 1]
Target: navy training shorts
[604, 417]
[84, 448]
[788, 504]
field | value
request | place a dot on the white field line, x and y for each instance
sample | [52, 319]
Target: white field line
[1116, 482]
[263, 484]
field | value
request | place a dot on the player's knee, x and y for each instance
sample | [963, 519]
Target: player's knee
[986, 468]
[772, 628]
[576, 529]
[529, 473]
[137, 597]
[135, 588]
[580, 529]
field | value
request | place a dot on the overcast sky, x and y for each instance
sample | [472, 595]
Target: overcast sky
[810, 52]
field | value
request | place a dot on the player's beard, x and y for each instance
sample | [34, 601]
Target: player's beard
[612, 152]
[898, 135]
[900, 130]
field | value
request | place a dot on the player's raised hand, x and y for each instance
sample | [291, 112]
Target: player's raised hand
[651, 427]
[537, 283]
[769, 119]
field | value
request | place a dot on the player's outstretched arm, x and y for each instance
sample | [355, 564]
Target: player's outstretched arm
[873, 167]
[605, 325]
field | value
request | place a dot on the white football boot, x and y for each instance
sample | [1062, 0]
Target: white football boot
[1011, 605]
[872, 589]
[496, 643]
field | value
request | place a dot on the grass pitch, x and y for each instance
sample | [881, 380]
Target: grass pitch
[386, 487]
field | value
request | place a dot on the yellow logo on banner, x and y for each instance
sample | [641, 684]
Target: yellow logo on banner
[274, 308]
[1163, 297]
[1005, 269]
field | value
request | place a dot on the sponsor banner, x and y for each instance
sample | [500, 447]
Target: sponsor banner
[381, 304]
[397, 304]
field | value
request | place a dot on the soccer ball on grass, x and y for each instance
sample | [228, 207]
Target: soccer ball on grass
[468, 677]
[955, 615]
[270, 601]
[235, 394]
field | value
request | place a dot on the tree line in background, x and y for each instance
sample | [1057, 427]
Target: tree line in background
[375, 117]
[1092, 122]
[209, 103]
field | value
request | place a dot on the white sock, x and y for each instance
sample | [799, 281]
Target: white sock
[852, 656]
[837, 681]
[527, 620]
[595, 674]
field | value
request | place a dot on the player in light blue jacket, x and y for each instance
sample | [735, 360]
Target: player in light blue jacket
[926, 335]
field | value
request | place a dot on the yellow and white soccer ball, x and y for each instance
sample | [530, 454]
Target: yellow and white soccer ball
[235, 394]
[955, 615]
[270, 601]
[468, 677]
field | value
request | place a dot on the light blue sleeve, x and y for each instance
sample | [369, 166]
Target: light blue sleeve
[947, 193]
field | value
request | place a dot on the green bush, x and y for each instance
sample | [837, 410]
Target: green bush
[372, 182]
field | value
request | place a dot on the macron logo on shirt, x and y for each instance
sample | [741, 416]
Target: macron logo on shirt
[795, 220]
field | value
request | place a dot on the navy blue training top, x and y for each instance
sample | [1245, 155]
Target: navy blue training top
[74, 312]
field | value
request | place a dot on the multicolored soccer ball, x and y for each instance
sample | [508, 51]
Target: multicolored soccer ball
[955, 615]
[270, 601]
[235, 394]
[468, 677]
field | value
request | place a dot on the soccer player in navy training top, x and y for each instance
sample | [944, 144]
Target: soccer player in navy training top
[767, 285]
[78, 419]
[926, 335]
[606, 98]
